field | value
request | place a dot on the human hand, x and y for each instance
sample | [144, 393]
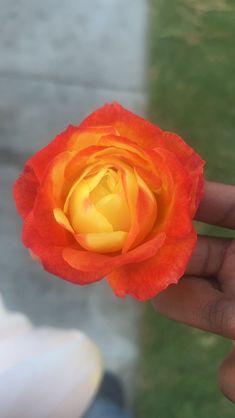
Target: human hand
[205, 297]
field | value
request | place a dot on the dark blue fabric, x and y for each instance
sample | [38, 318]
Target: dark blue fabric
[102, 408]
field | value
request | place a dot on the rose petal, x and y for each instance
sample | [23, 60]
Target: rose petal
[174, 215]
[103, 242]
[145, 216]
[191, 161]
[83, 215]
[115, 209]
[93, 262]
[73, 138]
[129, 152]
[51, 256]
[25, 191]
[41, 159]
[126, 123]
[83, 161]
[85, 138]
[98, 174]
[48, 198]
[146, 279]
[62, 219]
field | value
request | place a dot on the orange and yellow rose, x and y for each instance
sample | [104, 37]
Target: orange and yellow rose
[112, 197]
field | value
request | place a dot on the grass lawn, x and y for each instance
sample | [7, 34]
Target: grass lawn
[191, 92]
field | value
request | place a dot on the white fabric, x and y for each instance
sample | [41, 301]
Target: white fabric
[45, 372]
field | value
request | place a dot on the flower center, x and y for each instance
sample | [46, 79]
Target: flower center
[108, 210]
[97, 204]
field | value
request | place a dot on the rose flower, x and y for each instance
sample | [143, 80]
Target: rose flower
[112, 197]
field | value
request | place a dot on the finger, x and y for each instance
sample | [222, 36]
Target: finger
[214, 257]
[218, 205]
[210, 257]
[194, 301]
[227, 376]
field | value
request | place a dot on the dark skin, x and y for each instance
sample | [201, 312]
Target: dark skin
[205, 297]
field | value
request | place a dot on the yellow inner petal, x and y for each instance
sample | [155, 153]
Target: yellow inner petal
[97, 204]
[94, 181]
[110, 200]
[104, 242]
[100, 208]
[62, 219]
[83, 214]
[115, 209]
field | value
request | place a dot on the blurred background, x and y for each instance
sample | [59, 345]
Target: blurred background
[170, 60]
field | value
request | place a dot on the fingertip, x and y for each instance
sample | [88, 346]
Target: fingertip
[198, 303]
[226, 377]
[217, 205]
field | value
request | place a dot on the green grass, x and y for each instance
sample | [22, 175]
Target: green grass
[192, 77]
[191, 92]
[178, 371]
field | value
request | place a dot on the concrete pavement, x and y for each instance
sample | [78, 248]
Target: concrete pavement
[59, 61]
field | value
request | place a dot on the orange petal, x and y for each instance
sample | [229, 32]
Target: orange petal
[49, 197]
[25, 191]
[90, 136]
[146, 279]
[83, 160]
[191, 161]
[90, 261]
[127, 124]
[129, 152]
[174, 215]
[62, 219]
[124, 144]
[51, 256]
[144, 215]
[43, 158]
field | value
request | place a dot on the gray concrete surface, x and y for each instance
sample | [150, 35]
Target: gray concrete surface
[59, 61]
